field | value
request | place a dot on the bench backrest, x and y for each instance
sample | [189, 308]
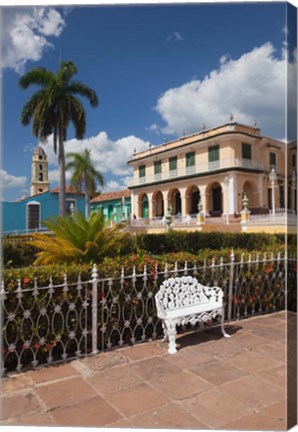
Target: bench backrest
[185, 291]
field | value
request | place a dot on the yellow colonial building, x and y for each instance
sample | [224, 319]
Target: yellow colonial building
[213, 168]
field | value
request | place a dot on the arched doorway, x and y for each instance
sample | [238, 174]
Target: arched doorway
[158, 205]
[193, 194]
[110, 211]
[215, 201]
[143, 206]
[252, 194]
[174, 198]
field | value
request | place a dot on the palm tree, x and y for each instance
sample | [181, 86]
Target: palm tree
[85, 176]
[77, 239]
[53, 108]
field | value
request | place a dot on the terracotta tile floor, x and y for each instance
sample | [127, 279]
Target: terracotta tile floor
[211, 383]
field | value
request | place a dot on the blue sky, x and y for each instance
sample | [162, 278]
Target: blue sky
[158, 70]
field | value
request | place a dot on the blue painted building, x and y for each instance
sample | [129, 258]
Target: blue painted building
[29, 214]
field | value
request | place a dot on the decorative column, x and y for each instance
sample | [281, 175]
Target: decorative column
[273, 178]
[169, 218]
[133, 212]
[293, 190]
[183, 204]
[232, 193]
[244, 213]
[150, 203]
[204, 200]
[226, 196]
[200, 215]
[261, 189]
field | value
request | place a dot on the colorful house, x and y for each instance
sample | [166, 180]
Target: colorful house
[30, 213]
[114, 205]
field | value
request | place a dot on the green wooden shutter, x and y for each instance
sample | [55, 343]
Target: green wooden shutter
[213, 153]
[173, 163]
[142, 171]
[190, 159]
[246, 151]
[157, 167]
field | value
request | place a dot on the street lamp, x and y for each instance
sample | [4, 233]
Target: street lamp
[226, 183]
[272, 178]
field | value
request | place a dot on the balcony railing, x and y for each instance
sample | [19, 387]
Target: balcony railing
[205, 168]
[281, 216]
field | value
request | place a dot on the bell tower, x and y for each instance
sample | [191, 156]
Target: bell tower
[39, 178]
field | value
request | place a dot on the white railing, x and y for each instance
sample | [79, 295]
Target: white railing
[160, 222]
[281, 216]
[198, 169]
[25, 231]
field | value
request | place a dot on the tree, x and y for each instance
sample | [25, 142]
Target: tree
[53, 108]
[84, 176]
[77, 239]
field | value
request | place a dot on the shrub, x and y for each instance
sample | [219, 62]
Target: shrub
[193, 242]
[77, 239]
[18, 253]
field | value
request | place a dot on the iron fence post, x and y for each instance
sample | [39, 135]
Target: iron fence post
[230, 296]
[94, 276]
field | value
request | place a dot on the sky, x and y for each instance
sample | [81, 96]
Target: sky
[158, 70]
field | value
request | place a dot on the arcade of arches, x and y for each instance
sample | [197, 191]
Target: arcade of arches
[215, 198]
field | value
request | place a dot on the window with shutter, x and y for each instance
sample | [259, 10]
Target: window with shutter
[272, 159]
[213, 157]
[173, 163]
[213, 153]
[246, 151]
[142, 171]
[33, 216]
[190, 159]
[157, 167]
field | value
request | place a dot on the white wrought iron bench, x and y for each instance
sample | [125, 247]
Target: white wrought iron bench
[183, 300]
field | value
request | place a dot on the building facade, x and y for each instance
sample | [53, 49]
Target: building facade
[115, 206]
[30, 213]
[213, 167]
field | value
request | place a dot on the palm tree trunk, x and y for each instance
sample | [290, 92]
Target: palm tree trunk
[62, 183]
[86, 197]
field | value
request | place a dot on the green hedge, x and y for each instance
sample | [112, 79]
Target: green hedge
[111, 266]
[20, 254]
[194, 242]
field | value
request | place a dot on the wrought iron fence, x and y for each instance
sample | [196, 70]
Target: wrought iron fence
[45, 325]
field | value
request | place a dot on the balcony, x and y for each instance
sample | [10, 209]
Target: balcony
[206, 168]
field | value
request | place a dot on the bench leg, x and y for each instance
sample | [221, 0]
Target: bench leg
[165, 333]
[171, 331]
[222, 324]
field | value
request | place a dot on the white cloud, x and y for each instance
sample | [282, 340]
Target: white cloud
[54, 175]
[251, 87]
[176, 36]
[25, 35]
[113, 185]
[9, 181]
[153, 128]
[109, 157]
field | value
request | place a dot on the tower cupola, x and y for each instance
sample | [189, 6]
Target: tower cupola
[39, 177]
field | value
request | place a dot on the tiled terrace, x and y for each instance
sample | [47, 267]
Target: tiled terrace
[211, 383]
